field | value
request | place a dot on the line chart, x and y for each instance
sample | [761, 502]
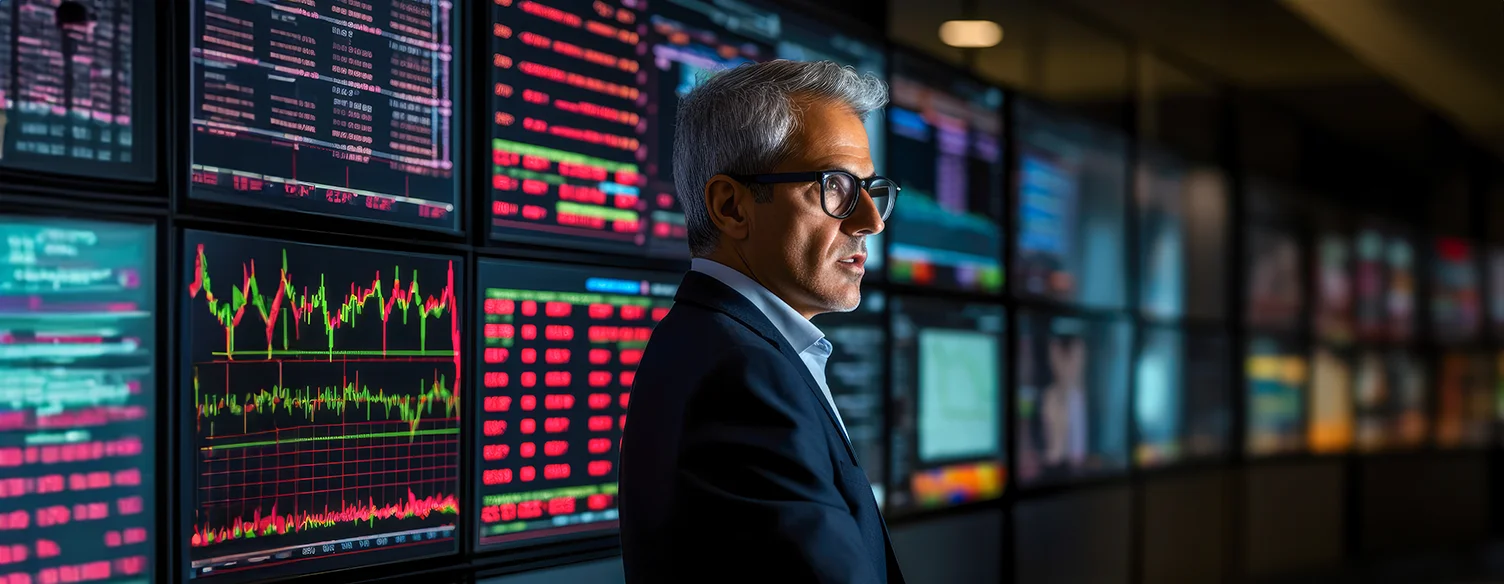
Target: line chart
[326, 388]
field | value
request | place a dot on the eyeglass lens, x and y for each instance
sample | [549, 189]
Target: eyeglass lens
[842, 195]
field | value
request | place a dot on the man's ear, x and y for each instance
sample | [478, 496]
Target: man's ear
[729, 203]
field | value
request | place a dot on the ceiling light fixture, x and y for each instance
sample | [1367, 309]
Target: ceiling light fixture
[971, 34]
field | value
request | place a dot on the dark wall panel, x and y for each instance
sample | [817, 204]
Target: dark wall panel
[1293, 517]
[1423, 502]
[962, 548]
[607, 571]
[1185, 528]
[1075, 537]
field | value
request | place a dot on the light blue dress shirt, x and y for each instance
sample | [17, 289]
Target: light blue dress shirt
[802, 335]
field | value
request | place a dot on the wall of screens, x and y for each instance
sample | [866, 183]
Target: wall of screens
[398, 375]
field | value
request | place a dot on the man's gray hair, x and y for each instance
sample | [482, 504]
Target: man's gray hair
[738, 121]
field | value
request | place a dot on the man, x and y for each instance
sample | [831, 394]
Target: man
[735, 465]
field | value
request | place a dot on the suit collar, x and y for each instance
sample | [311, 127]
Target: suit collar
[800, 333]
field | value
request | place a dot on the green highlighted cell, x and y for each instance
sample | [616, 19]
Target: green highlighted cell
[607, 213]
[414, 434]
[562, 156]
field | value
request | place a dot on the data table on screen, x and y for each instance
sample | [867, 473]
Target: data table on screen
[331, 107]
[1390, 401]
[946, 152]
[325, 386]
[559, 347]
[77, 388]
[946, 437]
[68, 85]
[1456, 291]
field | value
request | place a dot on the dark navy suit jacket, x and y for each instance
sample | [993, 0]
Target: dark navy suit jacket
[732, 465]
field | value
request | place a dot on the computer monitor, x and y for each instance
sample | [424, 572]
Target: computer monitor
[1276, 294]
[1496, 289]
[946, 439]
[1182, 237]
[1181, 396]
[945, 149]
[325, 415]
[1333, 306]
[1465, 400]
[1073, 412]
[559, 347]
[1456, 294]
[1389, 401]
[1329, 429]
[857, 376]
[78, 393]
[78, 87]
[1072, 209]
[1383, 285]
[342, 109]
[1276, 369]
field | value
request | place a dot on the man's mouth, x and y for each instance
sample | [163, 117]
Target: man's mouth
[854, 260]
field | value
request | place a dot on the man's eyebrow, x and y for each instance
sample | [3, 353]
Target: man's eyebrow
[828, 165]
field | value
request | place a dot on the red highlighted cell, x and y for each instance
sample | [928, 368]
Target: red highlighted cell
[529, 355]
[495, 451]
[527, 449]
[499, 476]
[556, 471]
[556, 379]
[496, 355]
[494, 427]
[600, 356]
[556, 356]
[633, 312]
[558, 401]
[600, 423]
[555, 448]
[529, 332]
[496, 379]
[529, 426]
[598, 502]
[631, 356]
[627, 377]
[660, 312]
[528, 473]
[600, 401]
[624, 398]
[529, 403]
[600, 378]
[529, 308]
[556, 425]
[599, 468]
[558, 309]
[599, 445]
[497, 403]
[561, 505]
[559, 332]
[603, 311]
[529, 378]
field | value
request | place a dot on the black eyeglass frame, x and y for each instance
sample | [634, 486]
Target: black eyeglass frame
[819, 176]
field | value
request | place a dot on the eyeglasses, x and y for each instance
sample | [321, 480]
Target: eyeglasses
[840, 191]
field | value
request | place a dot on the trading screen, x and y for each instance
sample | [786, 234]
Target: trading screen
[1277, 371]
[1072, 205]
[77, 388]
[1182, 241]
[1329, 428]
[1333, 304]
[68, 83]
[333, 107]
[1389, 401]
[946, 440]
[326, 389]
[1464, 400]
[559, 347]
[1072, 398]
[583, 103]
[1180, 397]
[1496, 290]
[946, 152]
[1456, 298]
[1383, 286]
[1275, 292]
[855, 374]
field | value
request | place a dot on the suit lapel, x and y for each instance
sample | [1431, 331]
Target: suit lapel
[708, 292]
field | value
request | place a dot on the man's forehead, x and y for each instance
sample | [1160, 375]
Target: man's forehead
[831, 136]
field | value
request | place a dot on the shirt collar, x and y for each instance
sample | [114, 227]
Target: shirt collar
[799, 331]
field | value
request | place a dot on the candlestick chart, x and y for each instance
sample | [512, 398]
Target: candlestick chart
[326, 400]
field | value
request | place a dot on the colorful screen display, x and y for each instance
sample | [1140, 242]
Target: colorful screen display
[1072, 398]
[856, 374]
[1456, 294]
[1329, 428]
[1496, 290]
[1464, 400]
[946, 152]
[559, 347]
[1072, 209]
[1275, 290]
[1182, 241]
[1383, 286]
[332, 107]
[1181, 397]
[1277, 376]
[947, 435]
[1389, 401]
[69, 87]
[78, 384]
[1334, 288]
[326, 388]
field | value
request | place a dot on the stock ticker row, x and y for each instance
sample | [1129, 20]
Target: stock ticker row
[321, 387]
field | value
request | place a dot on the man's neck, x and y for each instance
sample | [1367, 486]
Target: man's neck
[729, 258]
